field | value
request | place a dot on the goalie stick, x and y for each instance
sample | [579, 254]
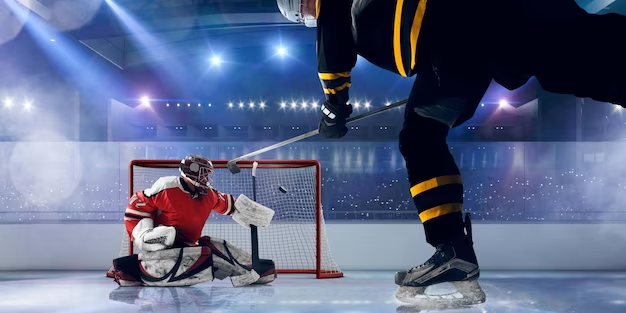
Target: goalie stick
[232, 164]
[254, 235]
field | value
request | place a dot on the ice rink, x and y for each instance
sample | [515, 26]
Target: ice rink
[102, 101]
[359, 291]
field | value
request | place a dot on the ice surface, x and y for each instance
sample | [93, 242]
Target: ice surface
[357, 292]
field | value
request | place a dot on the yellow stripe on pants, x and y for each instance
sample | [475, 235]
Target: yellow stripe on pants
[440, 210]
[434, 183]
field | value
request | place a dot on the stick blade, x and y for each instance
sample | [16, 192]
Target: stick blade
[232, 167]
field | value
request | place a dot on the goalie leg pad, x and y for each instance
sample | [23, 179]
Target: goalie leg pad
[248, 212]
[213, 258]
[231, 261]
[176, 267]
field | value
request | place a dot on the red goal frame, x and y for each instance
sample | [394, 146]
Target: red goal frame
[318, 271]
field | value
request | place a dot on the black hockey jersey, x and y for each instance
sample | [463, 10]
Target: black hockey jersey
[385, 32]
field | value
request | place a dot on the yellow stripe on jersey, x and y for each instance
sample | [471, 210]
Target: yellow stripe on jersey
[440, 210]
[317, 8]
[333, 91]
[333, 76]
[434, 183]
[415, 30]
[397, 46]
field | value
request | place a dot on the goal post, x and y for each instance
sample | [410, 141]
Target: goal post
[295, 240]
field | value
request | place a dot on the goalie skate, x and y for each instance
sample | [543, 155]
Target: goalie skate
[454, 262]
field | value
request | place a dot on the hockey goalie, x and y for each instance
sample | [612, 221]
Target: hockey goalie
[165, 222]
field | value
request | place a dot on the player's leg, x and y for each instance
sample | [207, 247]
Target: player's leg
[440, 96]
[581, 54]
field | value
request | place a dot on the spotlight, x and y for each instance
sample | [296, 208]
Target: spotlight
[188, 104]
[251, 105]
[8, 102]
[357, 105]
[230, 104]
[262, 105]
[482, 104]
[282, 51]
[145, 101]
[387, 103]
[283, 105]
[28, 106]
[503, 103]
[304, 104]
[178, 104]
[199, 104]
[216, 60]
[367, 105]
[241, 104]
[293, 104]
[167, 104]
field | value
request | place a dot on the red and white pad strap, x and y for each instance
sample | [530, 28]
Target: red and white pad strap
[229, 208]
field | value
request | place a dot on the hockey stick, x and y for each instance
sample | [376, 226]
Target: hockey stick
[232, 164]
[254, 235]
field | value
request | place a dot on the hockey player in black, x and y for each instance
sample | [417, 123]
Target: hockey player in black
[456, 48]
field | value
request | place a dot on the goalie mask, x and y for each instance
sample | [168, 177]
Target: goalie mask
[292, 10]
[199, 170]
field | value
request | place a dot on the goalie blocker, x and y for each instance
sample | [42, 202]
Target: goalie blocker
[189, 265]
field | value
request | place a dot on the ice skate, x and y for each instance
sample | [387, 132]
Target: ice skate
[454, 262]
[267, 272]
[126, 271]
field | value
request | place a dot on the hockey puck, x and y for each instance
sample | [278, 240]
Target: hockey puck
[282, 189]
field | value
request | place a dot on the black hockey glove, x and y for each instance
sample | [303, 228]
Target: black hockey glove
[333, 123]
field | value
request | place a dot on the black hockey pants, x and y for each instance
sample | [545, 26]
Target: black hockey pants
[459, 53]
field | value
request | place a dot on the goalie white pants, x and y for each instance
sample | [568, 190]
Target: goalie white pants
[187, 266]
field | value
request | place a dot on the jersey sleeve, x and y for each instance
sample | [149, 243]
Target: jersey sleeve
[223, 203]
[139, 206]
[336, 49]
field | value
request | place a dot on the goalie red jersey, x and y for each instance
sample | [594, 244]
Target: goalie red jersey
[171, 202]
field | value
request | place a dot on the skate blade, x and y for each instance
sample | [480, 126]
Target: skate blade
[468, 293]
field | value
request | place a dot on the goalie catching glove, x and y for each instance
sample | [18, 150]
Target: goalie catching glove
[249, 212]
[150, 238]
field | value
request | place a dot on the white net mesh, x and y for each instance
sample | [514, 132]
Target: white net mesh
[292, 239]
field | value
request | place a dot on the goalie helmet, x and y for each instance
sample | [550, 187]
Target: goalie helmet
[198, 169]
[292, 10]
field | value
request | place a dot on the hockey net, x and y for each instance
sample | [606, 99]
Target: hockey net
[296, 239]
